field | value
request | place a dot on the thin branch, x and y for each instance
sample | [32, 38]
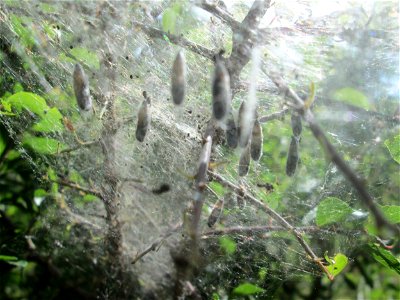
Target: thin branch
[221, 14]
[242, 230]
[175, 39]
[297, 234]
[269, 228]
[242, 86]
[77, 187]
[157, 243]
[84, 145]
[274, 116]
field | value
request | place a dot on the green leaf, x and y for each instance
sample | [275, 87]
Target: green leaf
[18, 88]
[2, 143]
[42, 145]
[262, 274]
[352, 96]
[247, 289]
[217, 188]
[89, 198]
[385, 257]
[227, 244]
[169, 20]
[215, 296]
[8, 258]
[50, 122]
[392, 213]
[21, 26]
[393, 146]
[20, 263]
[337, 264]
[331, 210]
[28, 101]
[6, 106]
[82, 54]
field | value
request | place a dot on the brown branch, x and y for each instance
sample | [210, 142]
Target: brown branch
[255, 14]
[77, 147]
[242, 230]
[244, 39]
[334, 156]
[297, 234]
[268, 228]
[175, 39]
[274, 116]
[157, 243]
[77, 187]
[221, 14]
[357, 183]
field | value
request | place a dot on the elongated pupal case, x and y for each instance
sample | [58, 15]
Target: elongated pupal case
[221, 91]
[215, 213]
[293, 157]
[231, 132]
[244, 162]
[296, 124]
[204, 160]
[178, 79]
[245, 123]
[143, 121]
[81, 88]
[256, 144]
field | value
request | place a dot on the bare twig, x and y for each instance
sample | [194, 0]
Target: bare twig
[297, 234]
[157, 243]
[77, 187]
[242, 230]
[72, 149]
[175, 39]
[221, 14]
[274, 116]
[270, 228]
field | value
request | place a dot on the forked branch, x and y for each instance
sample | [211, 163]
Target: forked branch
[277, 217]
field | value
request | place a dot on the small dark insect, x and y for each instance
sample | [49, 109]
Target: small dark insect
[215, 213]
[178, 79]
[144, 119]
[256, 144]
[81, 88]
[231, 132]
[244, 162]
[296, 124]
[268, 187]
[221, 90]
[293, 157]
[162, 189]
